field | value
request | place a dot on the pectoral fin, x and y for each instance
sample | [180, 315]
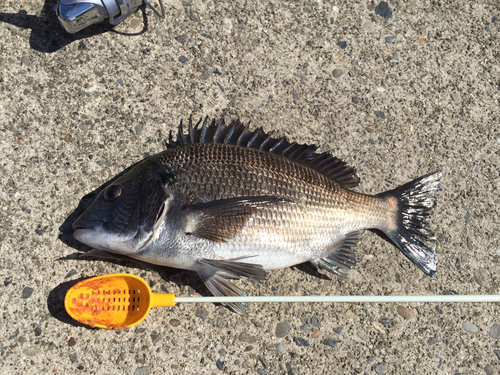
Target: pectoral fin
[221, 220]
[215, 275]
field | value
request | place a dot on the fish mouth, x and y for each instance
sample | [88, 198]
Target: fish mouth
[92, 233]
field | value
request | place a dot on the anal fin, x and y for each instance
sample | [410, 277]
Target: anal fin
[342, 258]
[215, 275]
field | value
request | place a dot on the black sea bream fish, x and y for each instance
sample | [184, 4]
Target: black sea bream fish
[230, 203]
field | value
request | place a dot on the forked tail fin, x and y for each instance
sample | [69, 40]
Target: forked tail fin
[412, 232]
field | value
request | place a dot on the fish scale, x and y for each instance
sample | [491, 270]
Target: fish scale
[317, 203]
[229, 202]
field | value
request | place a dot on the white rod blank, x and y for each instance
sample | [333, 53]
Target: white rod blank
[346, 299]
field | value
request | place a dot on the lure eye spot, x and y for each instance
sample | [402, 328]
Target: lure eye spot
[112, 192]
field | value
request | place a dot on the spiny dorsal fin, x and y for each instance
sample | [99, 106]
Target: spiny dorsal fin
[238, 134]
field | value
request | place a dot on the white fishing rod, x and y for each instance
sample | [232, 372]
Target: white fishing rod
[346, 299]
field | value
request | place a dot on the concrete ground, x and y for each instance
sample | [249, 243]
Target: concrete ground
[395, 97]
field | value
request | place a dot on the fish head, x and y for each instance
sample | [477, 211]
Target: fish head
[125, 215]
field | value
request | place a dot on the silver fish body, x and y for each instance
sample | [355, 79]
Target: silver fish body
[229, 202]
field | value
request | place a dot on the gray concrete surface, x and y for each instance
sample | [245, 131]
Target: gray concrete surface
[76, 111]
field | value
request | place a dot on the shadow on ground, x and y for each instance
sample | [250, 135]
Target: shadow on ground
[48, 35]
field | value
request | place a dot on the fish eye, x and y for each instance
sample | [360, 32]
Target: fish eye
[112, 192]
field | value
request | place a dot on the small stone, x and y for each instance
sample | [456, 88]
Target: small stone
[455, 96]
[81, 46]
[282, 329]
[362, 336]
[488, 370]
[439, 310]
[182, 39]
[368, 26]
[263, 361]
[73, 358]
[342, 44]
[27, 292]
[144, 370]
[469, 327]
[349, 314]
[155, 337]
[67, 138]
[469, 243]
[497, 352]
[477, 169]
[433, 340]
[337, 330]
[300, 341]
[38, 331]
[281, 349]
[256, 323]
[25, 60]
[81, 368]
[98, 73]
[249, 348]
[32, 352]
[71, 342]
[383, 10]
[256, 103]
[175, 322]
[380, 114]
[193, 17]
[14, 335]
[220, 364]
[301, 76]
[71, 272]
[379, 368]
[395, 56]
[494, 331]
[330, 342]
[404, 312]
[390, 39]
[183, 59]
[315, 322]
[457, 264]
[204, 76]
[478, 12]
[304, 328]
[337, 73]
[222, 352]
[201, 313]
[120, 81]
[245, 337]
[494, 19]
[39, 232]
[138, 128]
[295, 96]
[482, 276]
[261, 372]
[161, 32]
[385, 321]
[316, 334]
